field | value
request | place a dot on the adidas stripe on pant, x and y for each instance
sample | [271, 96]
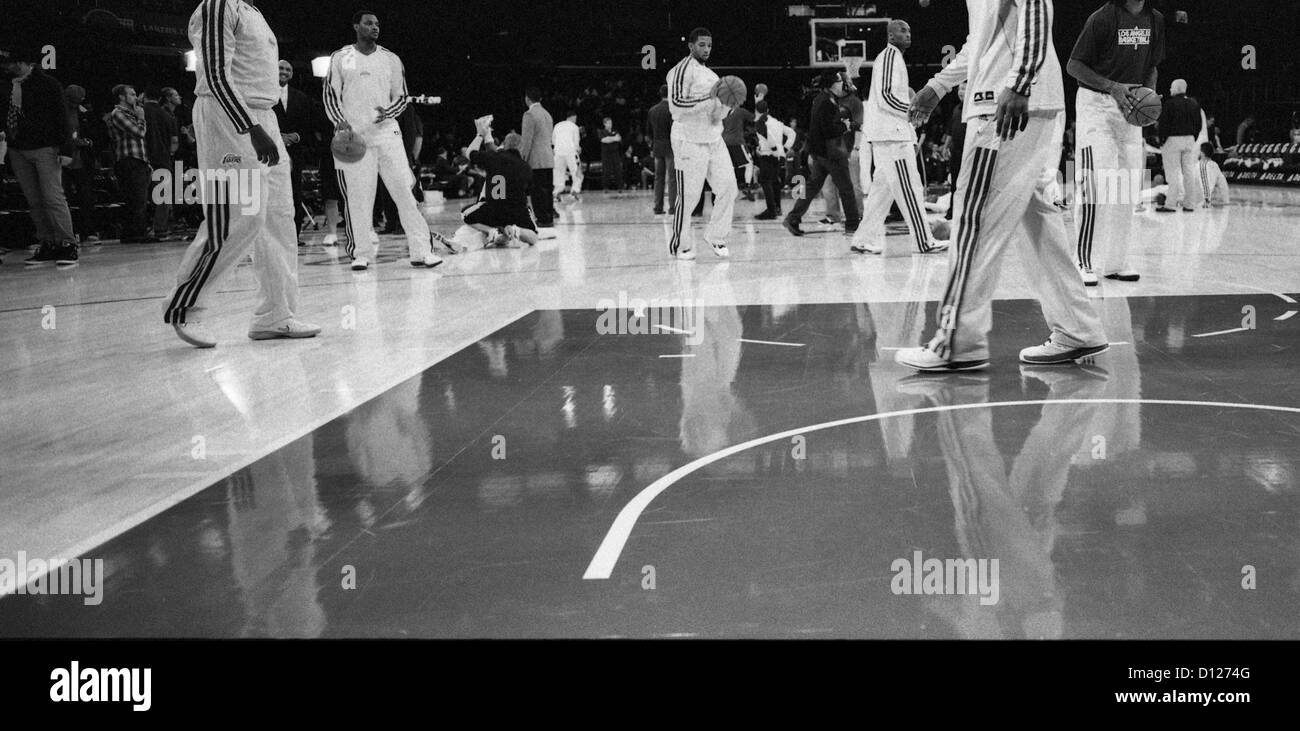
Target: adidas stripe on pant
[695, 163]
[1002, 199]
[257, 219]
[385, 158]
[896, 179]
[1111, 160]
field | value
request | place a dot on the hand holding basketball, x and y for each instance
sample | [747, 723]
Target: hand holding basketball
[347, 146]
[1145, 107]
[731, 91]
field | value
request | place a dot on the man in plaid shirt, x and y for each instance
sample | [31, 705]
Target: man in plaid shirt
[126, 126]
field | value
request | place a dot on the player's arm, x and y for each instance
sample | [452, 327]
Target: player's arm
[679, 82]
[397, 92]
[1028, 52]
[892, 90]
[218, 42]
[332, 93]
[1087, 52]
[948, 78]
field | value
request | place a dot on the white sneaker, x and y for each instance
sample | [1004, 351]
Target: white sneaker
[498, 237]
[446, 243]
[194, 333]
[512, 234]
[721, 251]
[330, 240]
[1089, 277]
[936, 245]
[430, 260]
[866, 248]
[686, 254]
[360, 264]
[928, 361]
[287, 329]
[1050, 353]
[546, 233]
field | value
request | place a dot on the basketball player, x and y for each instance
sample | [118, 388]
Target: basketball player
[1117, 52]
[237, 84]
[893, 149]
[568, 154]
[1015, 98]
[698, 150]
[365, 91]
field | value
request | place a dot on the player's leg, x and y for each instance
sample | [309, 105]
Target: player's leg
[1130, 166]
[398, 181]
[226, 234]
[671, 176]
[1091, 137]
[559, 175]
[575, 171]
[907, 190]
[721, 174]
[357, 182]
[1171, 157]
[692, 162]
[870, 236]
[997, 181]
[275, 248]
[1045, 251]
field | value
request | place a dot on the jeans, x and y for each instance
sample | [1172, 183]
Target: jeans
[837, 168]
[133, 179]
[41, 178]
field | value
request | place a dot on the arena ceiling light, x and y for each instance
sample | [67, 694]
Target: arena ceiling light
[320, 66]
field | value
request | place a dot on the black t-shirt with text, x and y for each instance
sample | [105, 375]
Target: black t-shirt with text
[1121, 46]
[503, 169]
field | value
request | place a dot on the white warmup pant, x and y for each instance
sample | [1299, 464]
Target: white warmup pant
[697, 162]
[385, 158]
[247, 208]
[567, 166]
[1180, 156]
[1002, 198]
[1111, 160]
[896, 179]
[1213, 183]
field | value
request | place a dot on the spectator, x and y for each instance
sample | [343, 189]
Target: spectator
[188, 154]
[36, 129]
[611, 160]
[852, 112]
[126, 125]
[536, 149]
[568, 156]
[295, 114]
[829, 153]
[79, 175]
[1179, 126]
[774, 142]
[1246, 130]
[161, 140]
[659, 120]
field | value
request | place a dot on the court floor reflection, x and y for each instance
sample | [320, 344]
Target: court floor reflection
[468, 501]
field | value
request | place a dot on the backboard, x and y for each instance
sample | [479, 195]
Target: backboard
[833, 40]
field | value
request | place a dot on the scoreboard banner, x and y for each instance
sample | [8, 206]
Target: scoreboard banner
[1272, 164]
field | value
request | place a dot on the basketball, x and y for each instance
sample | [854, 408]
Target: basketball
[347, 146]
[731, 91]
[1147, 109]
[941, 229]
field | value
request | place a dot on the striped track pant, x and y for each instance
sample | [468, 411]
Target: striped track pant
[896, 179]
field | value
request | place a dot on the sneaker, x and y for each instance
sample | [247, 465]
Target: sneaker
[195, 333]
[659, 211]
[512, 234]
[1166, 209]
[1124, 275]
[1050, 353]
[498, 237]
[792, 226]
[720, 250]
[360, 264]
[1188, 210]
[288, 329]
[444, 242]
[936, 246]
[686, 255]
[330, 240]
[429, 260]
[866, 249]
[45, 254]
[546, 233]
[827, 221]
[1089, 276]
[65, 254]
[928, 361]
[766, 216]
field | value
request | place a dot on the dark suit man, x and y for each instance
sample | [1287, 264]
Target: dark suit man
[294, 113]
[660, 122]
[536, 150]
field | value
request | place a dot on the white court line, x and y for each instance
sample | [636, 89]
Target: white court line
[602, 564]
[678, 355]
[1284, 298]
[1285, 315]
[170, 475]
[674, 330]
[1221, 332]
[771, 342]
